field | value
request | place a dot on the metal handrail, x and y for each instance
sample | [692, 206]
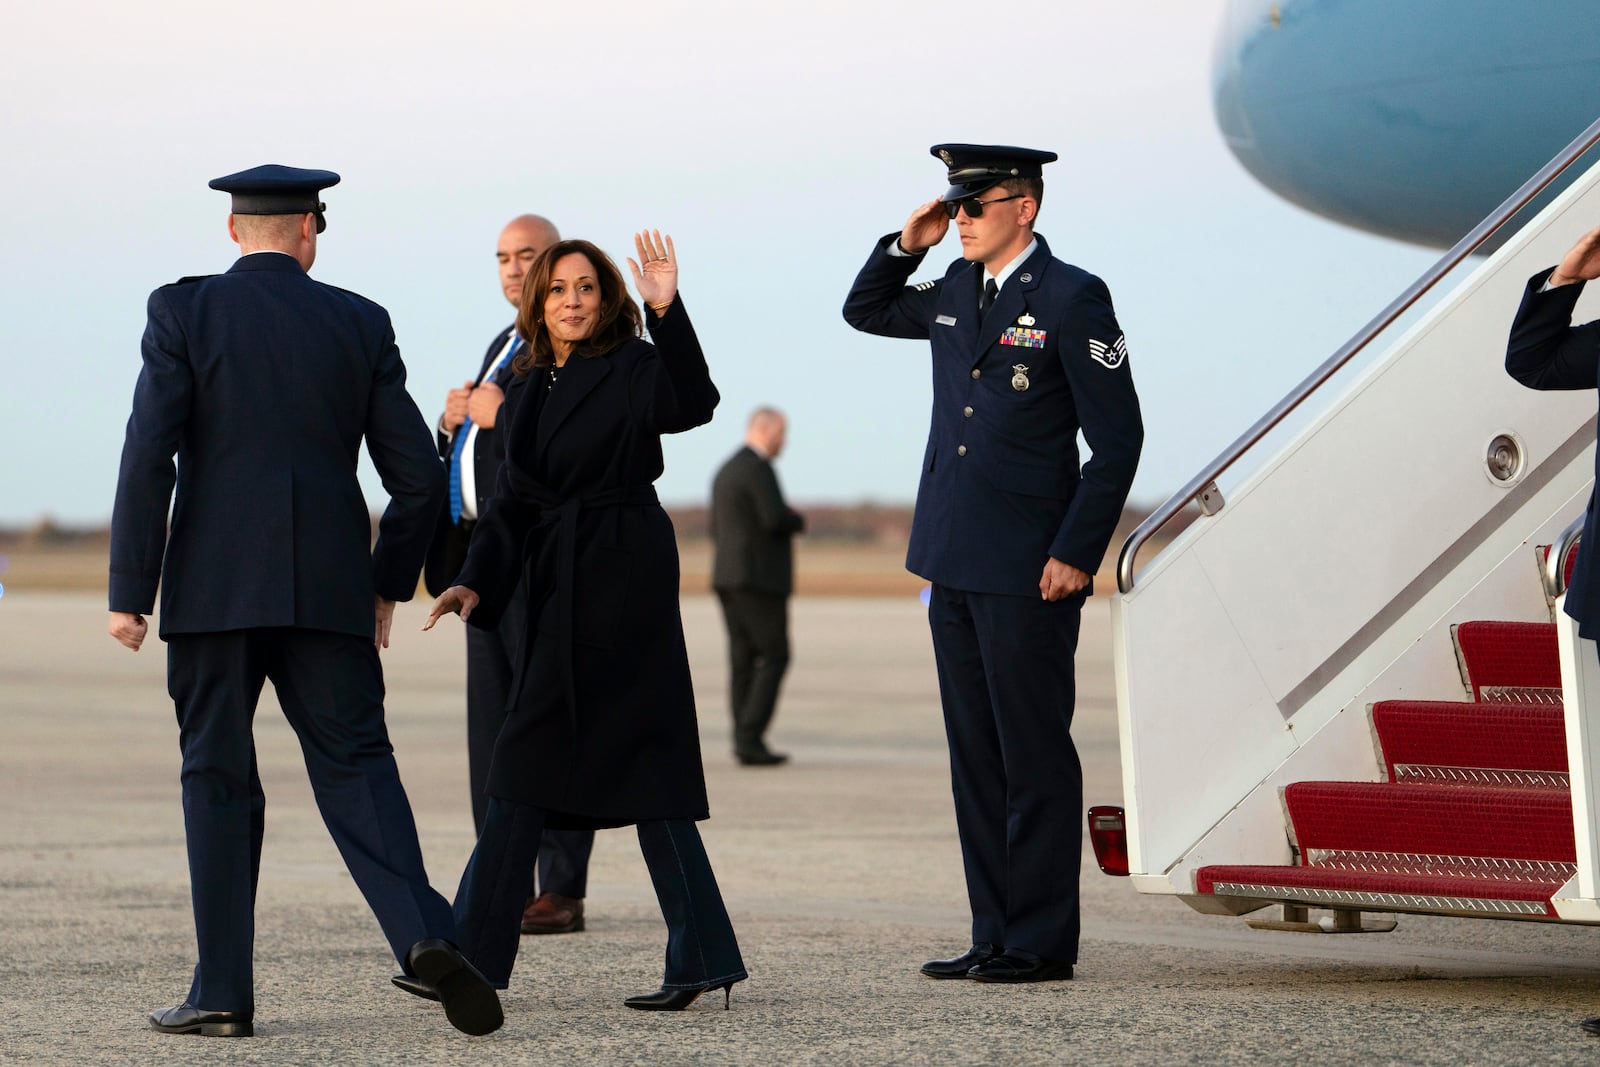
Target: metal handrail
[1201, 482]
[1555, 567]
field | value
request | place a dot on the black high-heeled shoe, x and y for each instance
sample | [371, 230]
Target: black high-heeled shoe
[665, 999]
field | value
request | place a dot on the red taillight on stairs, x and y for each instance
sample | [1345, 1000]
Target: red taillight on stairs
[1108, 832]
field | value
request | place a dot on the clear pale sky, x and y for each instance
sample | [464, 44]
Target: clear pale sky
[774, 141]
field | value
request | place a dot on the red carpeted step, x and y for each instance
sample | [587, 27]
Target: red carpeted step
[1427, 819]
[1376, 889]
[1462, 743]
[1502, 659]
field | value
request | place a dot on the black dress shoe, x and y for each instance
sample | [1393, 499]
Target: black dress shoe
[1592, 1024]
[416, 987]
[470, 1002]
[188, 1019]
[665, 999]
[761, 757]
[981, 952]
[1014, 965]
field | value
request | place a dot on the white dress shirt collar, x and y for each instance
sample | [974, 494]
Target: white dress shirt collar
[1010, 268]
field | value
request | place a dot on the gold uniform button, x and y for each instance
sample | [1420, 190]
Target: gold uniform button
[967, 411]
[976, 373]
[961, 450]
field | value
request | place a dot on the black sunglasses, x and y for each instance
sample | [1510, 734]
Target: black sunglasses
[974, 207]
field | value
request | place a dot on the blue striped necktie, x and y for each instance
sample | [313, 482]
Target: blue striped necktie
[461, 439]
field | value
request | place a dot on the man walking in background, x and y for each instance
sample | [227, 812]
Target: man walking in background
[753, 574]
[469, 441]
[265, 384]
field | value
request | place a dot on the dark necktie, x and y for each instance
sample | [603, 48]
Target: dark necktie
[990, 291]
[461, 441]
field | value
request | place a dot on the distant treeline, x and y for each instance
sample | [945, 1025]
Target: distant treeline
[865, 523]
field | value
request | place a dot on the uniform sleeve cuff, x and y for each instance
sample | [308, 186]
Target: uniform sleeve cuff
[133, 595]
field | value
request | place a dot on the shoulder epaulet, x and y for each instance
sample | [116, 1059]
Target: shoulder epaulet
[924, 286]
[193, 278]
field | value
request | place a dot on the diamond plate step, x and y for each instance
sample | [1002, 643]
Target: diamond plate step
[1379, 890]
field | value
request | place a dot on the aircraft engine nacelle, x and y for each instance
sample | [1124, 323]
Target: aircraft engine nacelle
[1410, 120]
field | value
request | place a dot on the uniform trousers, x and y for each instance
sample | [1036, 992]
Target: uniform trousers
[702, 951]
[1006, 682]
[330, 687]
[758, 656]
[564, 854]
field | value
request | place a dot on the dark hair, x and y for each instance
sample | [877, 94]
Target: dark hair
[1033, 187]
[619, 315]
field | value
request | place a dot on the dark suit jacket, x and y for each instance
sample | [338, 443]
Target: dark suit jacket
[264, 383]
[1001, 489]
[449, 548]
[1547, 352]
[752, 528]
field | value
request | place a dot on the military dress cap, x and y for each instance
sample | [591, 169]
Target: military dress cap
[273, 189]
[976, 167]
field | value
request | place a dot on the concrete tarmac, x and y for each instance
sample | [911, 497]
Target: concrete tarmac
[841, 871]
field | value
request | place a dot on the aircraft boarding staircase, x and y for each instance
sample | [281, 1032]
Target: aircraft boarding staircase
[1350, 685]
[1475, 816]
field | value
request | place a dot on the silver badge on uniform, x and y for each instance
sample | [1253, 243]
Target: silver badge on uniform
[1019, 377]
[1026, 278]
[1026, 320]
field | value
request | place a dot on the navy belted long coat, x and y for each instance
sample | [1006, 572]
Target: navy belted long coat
[602, 730]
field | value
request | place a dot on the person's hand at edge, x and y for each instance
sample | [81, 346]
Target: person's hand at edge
[129, 629]
[457, 600]
[1060, 580]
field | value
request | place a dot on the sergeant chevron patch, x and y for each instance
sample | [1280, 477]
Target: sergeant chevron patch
[1109, 355]
[921, 286]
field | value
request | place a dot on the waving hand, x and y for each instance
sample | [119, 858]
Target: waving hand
[657, 281]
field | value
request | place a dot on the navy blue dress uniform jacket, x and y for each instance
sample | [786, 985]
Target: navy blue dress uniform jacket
[264, 383]
[1547, 352]
[449, 548]
[602, 730]
[1001, 487]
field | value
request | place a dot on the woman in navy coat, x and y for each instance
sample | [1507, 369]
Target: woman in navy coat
[602, 731]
